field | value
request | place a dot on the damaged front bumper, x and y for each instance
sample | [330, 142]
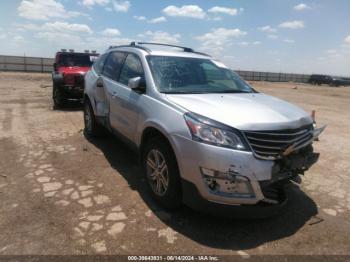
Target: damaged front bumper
[193, 198]
[215, 177]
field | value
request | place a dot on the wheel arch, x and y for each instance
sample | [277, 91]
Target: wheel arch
[87, 98]
[152, 131]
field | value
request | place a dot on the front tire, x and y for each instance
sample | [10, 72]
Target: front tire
[58, 97]
[91, 127]
[162, 173]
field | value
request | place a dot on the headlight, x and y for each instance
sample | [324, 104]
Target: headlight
[210, 132]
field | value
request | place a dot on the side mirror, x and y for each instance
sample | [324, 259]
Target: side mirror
[137, 84]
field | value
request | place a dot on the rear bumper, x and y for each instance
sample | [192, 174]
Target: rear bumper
[193, 199]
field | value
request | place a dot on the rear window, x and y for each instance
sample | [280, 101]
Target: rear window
[76, 60]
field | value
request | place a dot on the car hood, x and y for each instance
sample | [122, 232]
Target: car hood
[254, 111]
[73, 70]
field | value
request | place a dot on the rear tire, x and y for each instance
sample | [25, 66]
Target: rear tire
[162, 173]
[59, 100]
[91, 127]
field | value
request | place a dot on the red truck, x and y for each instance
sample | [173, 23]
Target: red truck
[68, 74]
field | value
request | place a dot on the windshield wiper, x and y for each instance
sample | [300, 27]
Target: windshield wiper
[238, 91]
[210, 92]
[181, 92]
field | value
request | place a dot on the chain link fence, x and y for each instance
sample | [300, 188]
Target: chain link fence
[26, 64]
[273, 77]
[44, 65]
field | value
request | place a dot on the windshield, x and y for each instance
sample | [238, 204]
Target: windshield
[181, 75]
[75, 60]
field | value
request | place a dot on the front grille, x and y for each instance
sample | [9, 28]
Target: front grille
[79, 80]
[69, 79]
[272, 144]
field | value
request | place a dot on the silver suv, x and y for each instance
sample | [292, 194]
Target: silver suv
[205, 137]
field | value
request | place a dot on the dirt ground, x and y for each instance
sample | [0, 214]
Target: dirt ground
[62, 194]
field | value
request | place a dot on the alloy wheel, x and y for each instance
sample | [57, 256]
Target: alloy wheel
[157, 172]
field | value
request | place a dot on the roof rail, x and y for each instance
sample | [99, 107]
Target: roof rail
[200, 53]
[186, 49]
[131, 45]
[139, 45]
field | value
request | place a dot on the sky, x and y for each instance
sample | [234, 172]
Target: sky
[307, 36]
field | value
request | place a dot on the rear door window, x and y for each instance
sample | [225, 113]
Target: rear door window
[113, 65]
[132, 68]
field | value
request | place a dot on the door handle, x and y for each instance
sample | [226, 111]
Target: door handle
[99, 84]
[114, 94]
